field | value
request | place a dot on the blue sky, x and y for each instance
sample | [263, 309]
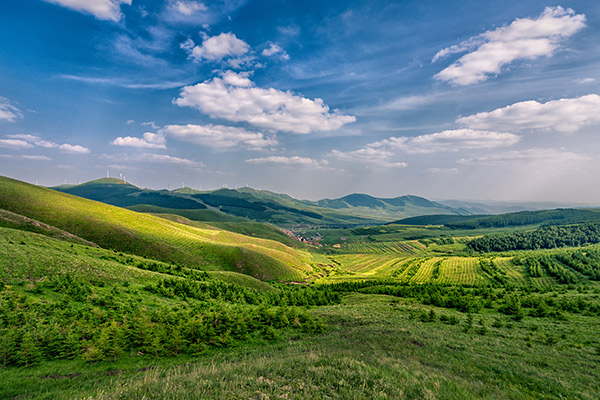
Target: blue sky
[472, 100]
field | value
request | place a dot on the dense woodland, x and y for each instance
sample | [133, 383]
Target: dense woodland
[547, 237]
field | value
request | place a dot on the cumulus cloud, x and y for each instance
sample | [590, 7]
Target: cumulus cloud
[73, 149]
[34, 140]
[101, 9]
[28, 141]
[450, 140]
[15, 144]
[218, 136]
[8, 112]
[371, 156]
[272, 109]
[528, 155]
[216, 48]
[186, 7]
[564, 115]
[293, 161]
[275, 49]
[523, 39]
[148, 140]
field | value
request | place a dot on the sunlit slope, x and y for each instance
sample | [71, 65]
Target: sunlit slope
[150, 236]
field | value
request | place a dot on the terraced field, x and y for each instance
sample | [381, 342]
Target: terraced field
[443, 269]
[410, 247]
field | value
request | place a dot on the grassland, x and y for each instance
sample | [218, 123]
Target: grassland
[374, 347]
[200, 246]
[98, 302]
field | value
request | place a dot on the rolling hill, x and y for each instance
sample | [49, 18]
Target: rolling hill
[243, 204]
[193, 245]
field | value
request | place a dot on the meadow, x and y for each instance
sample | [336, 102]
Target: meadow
[391, 312]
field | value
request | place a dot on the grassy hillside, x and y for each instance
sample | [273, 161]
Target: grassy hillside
[219, 220]
[116, 228]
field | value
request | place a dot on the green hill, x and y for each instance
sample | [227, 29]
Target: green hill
[202, 246]
[259, 205]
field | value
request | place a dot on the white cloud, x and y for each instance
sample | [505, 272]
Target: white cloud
[564, 115]
[275, 49]
[149, 157]
[28, 141]
[120, 82]
[584, 80]
[36, 140]
[148, 141]
[523, 39]
[15, 144]
[216, 48]
[101, 9]
[218, 136]
[293, 161]
[164, 158]
[26, 157]
[8, 112]
[186, 7]
[151, 124]
[265, 108]
[73, 149]
[130, 121]
[526, 156]
[450, 140]
[239, 80]
[372, 157]
[443, 171]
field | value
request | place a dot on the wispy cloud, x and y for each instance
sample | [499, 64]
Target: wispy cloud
[101, 9]
[219, 136]
[26, 157]
[372, 157]
[8, 112]
[265, 108]
[525, 156]
[523, 39]
[120, 82]
[291, 161]
[564, 115]
[450, 140]
[22, 141]
[275, 49]
[125, 159]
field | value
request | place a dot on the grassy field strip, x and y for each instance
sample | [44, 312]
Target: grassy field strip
[515, 273]
[425, 270]
[411, 269]
[411, 247]
[388, 269]
[460, 270]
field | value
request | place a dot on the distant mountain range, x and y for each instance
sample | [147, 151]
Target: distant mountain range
[247, 204]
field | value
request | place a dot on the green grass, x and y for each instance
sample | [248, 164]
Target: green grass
[375, 347]
[120, 229]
